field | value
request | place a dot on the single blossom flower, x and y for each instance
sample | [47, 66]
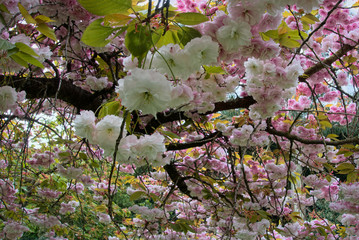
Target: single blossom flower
[145, 90]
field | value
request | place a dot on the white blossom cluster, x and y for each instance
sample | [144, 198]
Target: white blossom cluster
[8, 98]
[151, 90]
[142, 150]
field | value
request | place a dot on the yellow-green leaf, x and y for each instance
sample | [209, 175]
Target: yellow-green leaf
[43, 19]
[288, 42]
[190, 18]
[46, 30]
[28, 59]
[352, 177]
[19, 60]
[345, 166]
[333, 136]
[271, 34]
[116, 19]
[3, 8]
[26, 49]
[101, 208]
[137, 195]
[325, 124]
[310, 18]
[348, 154]
[138, 41]
[171, 134]
[350, 146]
[96, 34]
[186, 34]
[28, 18]
[169, 37]
[106, 7]
[214, 69]
[110, 108]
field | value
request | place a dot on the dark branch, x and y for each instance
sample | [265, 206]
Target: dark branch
[327, 62]
[289, 136]
[198, 143]
[177, 179]
[37, 88]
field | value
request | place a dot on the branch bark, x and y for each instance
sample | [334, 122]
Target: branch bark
[327, 62]
[37, 88]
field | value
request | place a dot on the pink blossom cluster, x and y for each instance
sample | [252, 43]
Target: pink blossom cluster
[42, 159]
[70, 172]
[341, 114]
[48, 193]
[13, 230]
[270, 82]
[69, 207]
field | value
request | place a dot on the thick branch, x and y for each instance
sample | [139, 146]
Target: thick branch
[166, 117]
[37, 88]
[327, 62]
[177, 179]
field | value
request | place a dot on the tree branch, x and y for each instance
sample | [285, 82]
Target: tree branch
[180, 146]
[37, 88]
[327, 62]
[178, 180]
[289, 136]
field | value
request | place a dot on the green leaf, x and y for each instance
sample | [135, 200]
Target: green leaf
[155, 197]
[169, 37]
[328, 166]
[271, 34]
[186, 34]
[2, 19]
[128, 123]
[95, 164]
[95, 34]
[176, 227]
[43, 19]
[116, 19]
[186, 227]
[288, 42]
[294, 34]
[352, 177]
[3, 8]
[47, 31]
[345, 166]
[138, 41]
[333, 136]
[26, 49]
[322, 232]
[190, 18]
[348, 154]
[325, 124]
[6, 45]
[110, 108]
[28, 18]
[29, 59]
[310, 18]
[137, 195]
[348, 146]
[263, 214]
[83, 156]
[106, 7]
[214, 69]
[19, 60]
[170, 134]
